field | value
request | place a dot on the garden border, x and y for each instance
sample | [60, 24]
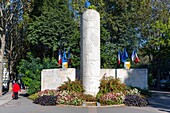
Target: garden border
[120, 105]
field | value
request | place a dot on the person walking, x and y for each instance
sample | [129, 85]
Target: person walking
[16, 89]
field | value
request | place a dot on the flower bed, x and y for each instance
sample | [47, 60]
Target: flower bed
[112, 92]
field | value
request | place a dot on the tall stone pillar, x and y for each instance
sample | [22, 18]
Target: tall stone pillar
[90, 51]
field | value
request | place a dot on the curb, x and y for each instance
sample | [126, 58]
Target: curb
[120, 105]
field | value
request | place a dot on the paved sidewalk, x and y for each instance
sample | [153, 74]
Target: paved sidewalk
[159, 103]
[5, 98]
[160, 100]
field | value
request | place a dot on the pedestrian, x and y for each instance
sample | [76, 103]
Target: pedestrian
[15, 89]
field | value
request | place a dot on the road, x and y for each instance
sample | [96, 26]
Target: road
[159, 103]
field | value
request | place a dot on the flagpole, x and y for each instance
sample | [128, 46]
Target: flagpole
[116, 73]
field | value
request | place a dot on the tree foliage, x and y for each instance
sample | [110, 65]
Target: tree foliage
[54, 29]
[142, 24]
[31, 69]
[10, 17]
[155, 39]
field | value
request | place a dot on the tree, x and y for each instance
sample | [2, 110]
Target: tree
[124, 24]
[155, 39]
[15, 37]
[31, 68]
[11, 12]
[6, 18]
[118, 29]
[55, 29]
[49, 31]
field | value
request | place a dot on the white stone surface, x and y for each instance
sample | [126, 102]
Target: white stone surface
[90, 51]
[132, 77]
[91, 85]
[52, 78]
[107, 72]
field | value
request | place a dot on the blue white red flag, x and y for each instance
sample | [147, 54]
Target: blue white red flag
[59, 58]
[118, 57]
[134, 56]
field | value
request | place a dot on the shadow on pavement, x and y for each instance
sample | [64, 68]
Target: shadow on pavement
[168, 111]
[160, 100]
[4, 92]
[24, 94]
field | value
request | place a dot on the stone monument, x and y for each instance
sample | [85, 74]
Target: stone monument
[53, 78]
[90, 51]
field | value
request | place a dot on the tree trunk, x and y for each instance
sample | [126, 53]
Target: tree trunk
[158, 74]
[1, 61]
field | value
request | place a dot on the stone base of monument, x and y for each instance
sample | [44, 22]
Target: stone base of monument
[97, 104]
[91, 104]
[117, 105]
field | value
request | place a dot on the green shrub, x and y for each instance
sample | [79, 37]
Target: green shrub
[72, 86]
[150, 80]
[31, 69]
[33, 96]
[145, 93]
[110, 84]
[88, 98]
[92, 7]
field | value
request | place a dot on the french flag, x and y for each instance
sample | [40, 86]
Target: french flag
[134, 56]
[59, 58]
[118, 57]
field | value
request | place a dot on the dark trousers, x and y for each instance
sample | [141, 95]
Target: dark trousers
[15, 95]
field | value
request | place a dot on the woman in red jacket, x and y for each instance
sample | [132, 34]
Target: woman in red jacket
[15, 90]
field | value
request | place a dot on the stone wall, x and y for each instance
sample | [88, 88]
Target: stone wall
[133, 77]
[52, 78]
